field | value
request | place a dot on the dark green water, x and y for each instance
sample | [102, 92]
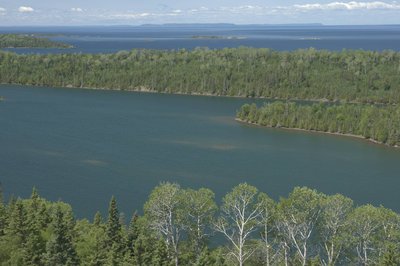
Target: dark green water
[83, 146]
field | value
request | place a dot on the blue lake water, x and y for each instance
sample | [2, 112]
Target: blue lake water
[83, 146]
[116, 38]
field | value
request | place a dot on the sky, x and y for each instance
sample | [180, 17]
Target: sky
[137, 12]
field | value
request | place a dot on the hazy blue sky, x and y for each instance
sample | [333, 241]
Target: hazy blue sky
[110, 12]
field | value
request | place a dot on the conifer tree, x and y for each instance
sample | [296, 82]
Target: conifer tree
[97, 220]
[60, 249]
[160, 256]
[18, 222]
[34, 248]
[132, 235]
[204, 258]
[143, 250]
[113, 227]
[3, 213]
[35, 245]
[114, 240]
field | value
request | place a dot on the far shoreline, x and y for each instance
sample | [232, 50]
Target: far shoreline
[320, 132]
[143, 89]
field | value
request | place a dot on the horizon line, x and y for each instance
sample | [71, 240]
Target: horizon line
[197, 24]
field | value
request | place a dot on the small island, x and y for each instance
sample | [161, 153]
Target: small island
[206, 37]
[29, 41]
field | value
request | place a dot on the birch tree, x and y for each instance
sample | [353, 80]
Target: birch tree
[365, 223]
[241, 214]
[267, 206]
[162, 213]
[298, 217]
[197, 212]
[334, 220]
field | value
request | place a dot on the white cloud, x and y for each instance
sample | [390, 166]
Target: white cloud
[76, 9]
[353, 5]
[25, 9]
[131, 15]
[2, 9]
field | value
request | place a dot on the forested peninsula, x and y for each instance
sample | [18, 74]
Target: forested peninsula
[29, 41]
[349, 75]
[183, 226]
[380, 124]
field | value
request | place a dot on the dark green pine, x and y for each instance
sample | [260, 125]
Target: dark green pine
[113, 228]
[60, 249]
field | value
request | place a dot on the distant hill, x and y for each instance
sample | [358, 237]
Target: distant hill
[207, 25]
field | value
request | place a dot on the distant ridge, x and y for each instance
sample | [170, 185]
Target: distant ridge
[228, 25]
[190, 25]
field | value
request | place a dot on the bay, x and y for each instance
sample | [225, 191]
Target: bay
[82, 146]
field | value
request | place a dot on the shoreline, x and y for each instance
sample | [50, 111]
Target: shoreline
[38, 47]
[143, 89]
[320, 132]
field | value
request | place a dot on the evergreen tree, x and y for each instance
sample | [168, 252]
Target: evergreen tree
[35, 245]
[60, 249]
[97, 220]
[143, 250]
[132, 235]
[160, 255]
[204, 258]
[34, 248]
[3, 213]
[114, 255]
[114, 240]
[17, 226]
[113, 227]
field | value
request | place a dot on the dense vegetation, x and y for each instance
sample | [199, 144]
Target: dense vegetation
[306, 228]
[377, 123]
[28, 41]
[362, 76]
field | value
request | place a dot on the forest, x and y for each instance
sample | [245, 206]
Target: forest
[28, 41]
[348, 75]
[377, 123]
[183, 226]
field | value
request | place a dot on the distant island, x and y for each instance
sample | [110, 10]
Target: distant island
[208, 25]
[217, 37]
[29, 41]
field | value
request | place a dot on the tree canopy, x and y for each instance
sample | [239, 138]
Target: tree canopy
[374, 122]
[186, 227]
[28, 41]
[349, 75]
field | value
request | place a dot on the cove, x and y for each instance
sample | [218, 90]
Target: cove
[82, 146]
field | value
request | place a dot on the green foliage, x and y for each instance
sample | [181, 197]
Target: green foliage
[60, 248]
[198, 210]
[113, 226]
[28, 41]
[378, 123]
[306, 228]
[391, 256]
[359, 76]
